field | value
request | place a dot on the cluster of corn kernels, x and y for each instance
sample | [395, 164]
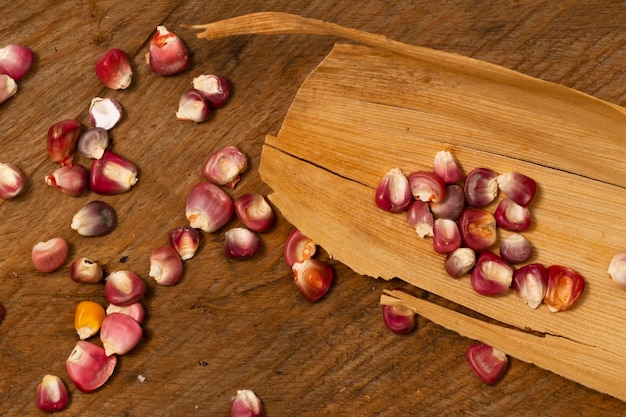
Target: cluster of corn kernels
[450, 207]
[91, 364]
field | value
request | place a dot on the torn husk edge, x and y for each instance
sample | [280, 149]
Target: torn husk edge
[275, 23]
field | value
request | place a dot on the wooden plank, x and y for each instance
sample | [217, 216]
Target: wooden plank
[232, 325]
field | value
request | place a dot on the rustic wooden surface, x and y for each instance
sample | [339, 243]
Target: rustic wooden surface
[232, 325]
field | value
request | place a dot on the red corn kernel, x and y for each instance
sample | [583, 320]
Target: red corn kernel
[446, 236]
[298, 248]
[168, 54]
[16, 61]
[93, 142]
[185, 240]
[515, 249]
[89, 367]
[421, 218]
[113, 69]
[511, 216]
[86, 271]
[517, 187]
[478, 228]
[8, 87]
[617, 269]
[62, 138]
[134, 311]
[399, 319]
[96, 218]
[246, 404]
[12, 181]
[193, 106]
[104, 113]
[254, 212]
[447, 167]
[241, 243]
[119, 334]
[427, 186]
[52, 394]
[214, 87]
[208, 207]
[225, 166]
[492, 275]
[565, 286]
[123, 288]
[69, 179]
[452, 205]
[531, 283]
[50, 255]
[488, 363]
[166, 267]
[112, 174]
[481, 187]
[393, 193]
[460, 262]
[313, 278]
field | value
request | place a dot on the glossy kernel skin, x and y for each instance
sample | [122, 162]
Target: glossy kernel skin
[113, 69]
[518, 187]
[52, 394]
[185, 240]
[225, 166]
[12, 181]
[393, 193]
[241, 243]
[167, 54]
[166, 266]
[478, 228]
[124, 288]
[246, 404]
[298, 248]
[88, 318]
[491, 276]
[313, 278]
[421, 218]
[427, 186]
[565, 286]
[62, 139]
[85, 271]
[481, 187]
[446, 236]
[530, 282]
[488, 363]
[208, 207]
[96, 218]
[89, 367]
[254, 212]
[50, 255]
[112, 174]
[399, 319]
[511, 216]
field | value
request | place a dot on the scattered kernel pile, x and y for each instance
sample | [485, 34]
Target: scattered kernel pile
[452, 209]
[209, 207]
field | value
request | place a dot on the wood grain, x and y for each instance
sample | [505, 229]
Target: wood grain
[232, 325]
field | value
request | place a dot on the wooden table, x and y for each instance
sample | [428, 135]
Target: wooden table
[230, 325]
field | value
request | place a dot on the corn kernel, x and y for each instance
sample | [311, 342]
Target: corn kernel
[88, 319]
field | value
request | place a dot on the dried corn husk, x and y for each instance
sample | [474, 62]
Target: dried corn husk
[367, 109]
